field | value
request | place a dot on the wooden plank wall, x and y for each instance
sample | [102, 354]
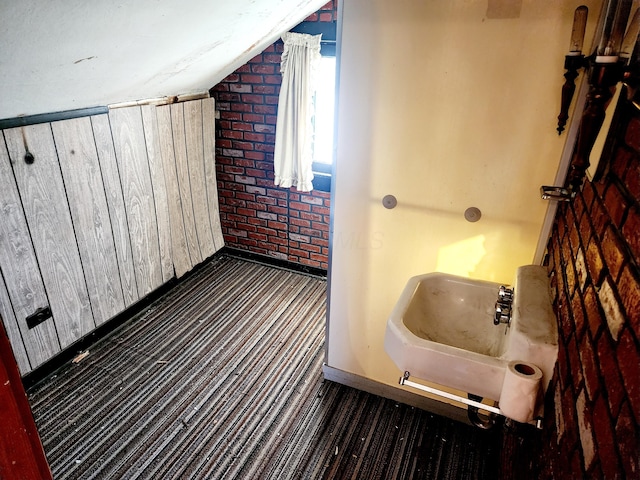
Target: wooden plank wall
[111, 207]
[88, 205]
[115, 201]
[135, 178]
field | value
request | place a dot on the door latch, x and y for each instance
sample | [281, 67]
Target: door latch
[39, 316]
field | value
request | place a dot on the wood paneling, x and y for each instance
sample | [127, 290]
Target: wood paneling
[131, 154]
[195, 157]
[47, 213]
[13, 331]
[22, 279]
[180, 252]
[115, 201]
[184, 184]
[209, 134]
[112, 207]
[156, 168]
[88, 205]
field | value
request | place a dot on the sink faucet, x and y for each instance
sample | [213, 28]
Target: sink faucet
[503, 306]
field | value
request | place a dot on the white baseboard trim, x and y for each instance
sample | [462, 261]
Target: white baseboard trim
[382, 390]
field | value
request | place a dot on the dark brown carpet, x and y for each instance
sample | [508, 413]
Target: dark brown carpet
[221, 379]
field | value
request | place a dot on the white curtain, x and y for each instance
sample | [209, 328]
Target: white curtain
[292, 157]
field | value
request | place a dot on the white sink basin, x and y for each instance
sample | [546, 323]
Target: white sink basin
[441, 330]
[454, 311]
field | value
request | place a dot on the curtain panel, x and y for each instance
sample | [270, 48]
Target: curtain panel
[293, 154]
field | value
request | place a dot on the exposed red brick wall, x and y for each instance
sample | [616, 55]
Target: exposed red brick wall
[256, 215]
[593, 427]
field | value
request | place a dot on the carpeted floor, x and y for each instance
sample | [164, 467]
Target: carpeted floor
[221, 379]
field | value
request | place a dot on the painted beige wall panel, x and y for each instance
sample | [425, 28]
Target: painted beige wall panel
[47, 213]
[209, 133]
[117, 211]
[133, 166]
[179, 250]
[90, 214]
[195, 157]
[21, 275]
[184, 184]
[152, 139]
[12, 329]
[438, 106]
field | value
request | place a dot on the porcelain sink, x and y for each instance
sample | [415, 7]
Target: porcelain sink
[441, 330]
[454, 311]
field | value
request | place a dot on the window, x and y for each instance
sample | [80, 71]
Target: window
[323, 123]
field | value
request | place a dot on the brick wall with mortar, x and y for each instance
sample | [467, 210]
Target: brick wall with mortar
[592, 425]
[255, 214]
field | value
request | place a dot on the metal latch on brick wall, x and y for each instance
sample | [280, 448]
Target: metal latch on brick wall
[556, 193]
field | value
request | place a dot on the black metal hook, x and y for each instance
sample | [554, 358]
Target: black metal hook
[28, 156]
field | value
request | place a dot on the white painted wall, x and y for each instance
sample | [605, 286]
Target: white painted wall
[445, 108]
[75, 54]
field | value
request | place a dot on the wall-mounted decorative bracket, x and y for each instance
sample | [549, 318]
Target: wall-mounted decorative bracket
[603, 78]
[612, 62]
[572, 63]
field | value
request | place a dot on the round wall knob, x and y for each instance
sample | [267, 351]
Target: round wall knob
[472, 214]
[389, 201]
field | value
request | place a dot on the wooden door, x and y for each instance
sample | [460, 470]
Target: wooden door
[46, 210]
[21, 452]
[22, 290]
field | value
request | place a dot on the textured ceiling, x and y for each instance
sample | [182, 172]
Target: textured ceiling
[72, 54]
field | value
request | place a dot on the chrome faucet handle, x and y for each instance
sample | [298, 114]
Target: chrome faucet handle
[505, 294]
[502, 313]
[496, 318]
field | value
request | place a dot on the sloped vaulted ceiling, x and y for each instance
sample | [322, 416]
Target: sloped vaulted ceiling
[73, 54]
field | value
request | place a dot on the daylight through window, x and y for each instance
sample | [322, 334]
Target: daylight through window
[323, 117]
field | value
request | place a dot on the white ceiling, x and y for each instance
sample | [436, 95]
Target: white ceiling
[73, 54]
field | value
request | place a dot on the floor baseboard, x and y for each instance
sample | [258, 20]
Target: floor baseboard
[274, 262]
